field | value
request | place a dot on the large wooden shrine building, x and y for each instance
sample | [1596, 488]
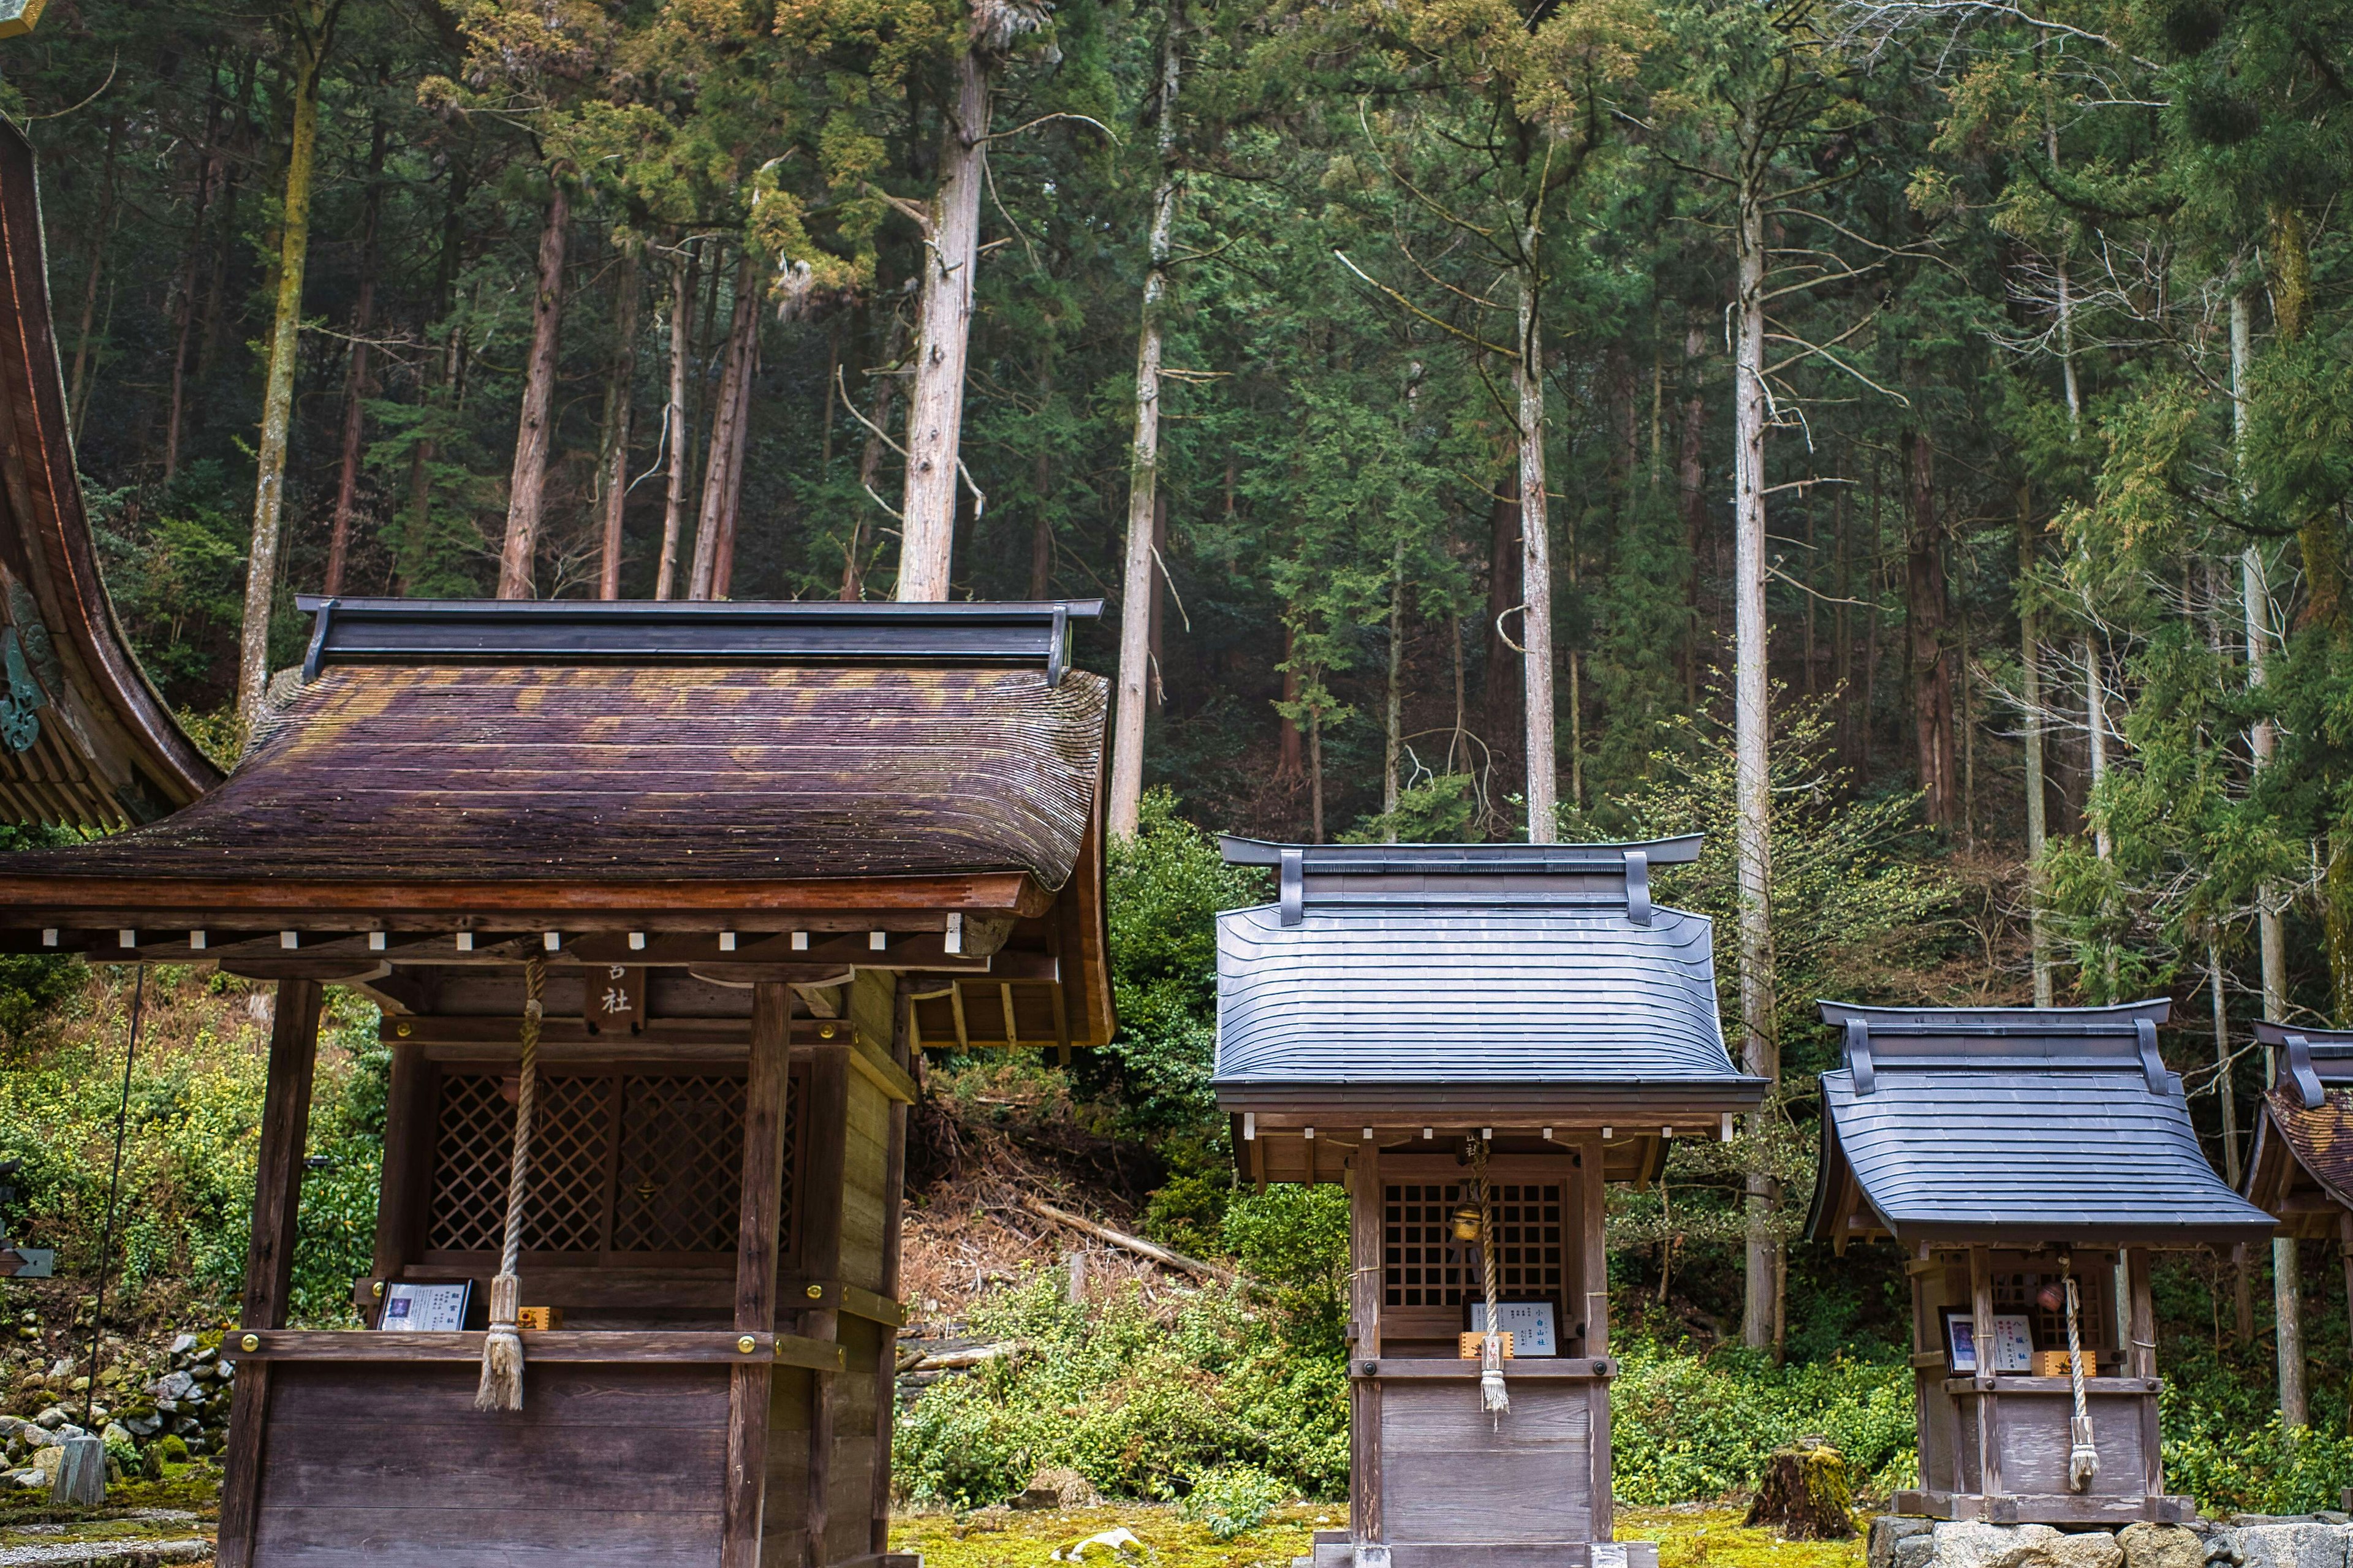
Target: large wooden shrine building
[726, 865]
[2029, 1160]
[1475, 1039]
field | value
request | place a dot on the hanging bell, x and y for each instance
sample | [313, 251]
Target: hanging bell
[1466, 1222]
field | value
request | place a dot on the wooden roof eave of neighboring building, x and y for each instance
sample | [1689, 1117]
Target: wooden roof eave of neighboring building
[2300, 1169]
[85, 740]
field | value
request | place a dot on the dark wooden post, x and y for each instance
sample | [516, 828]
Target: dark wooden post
[1364, 1301]
[270, 1256]
[755, 1270]
[2140, 1360]
[822, 1177]
[894, 1181]
[1591, 1219]
[408, 1118]
[1988, 1418]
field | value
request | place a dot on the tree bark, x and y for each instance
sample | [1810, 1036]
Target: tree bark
[1535, 558]
[1691, 480]
[1393, 705]
[278, 391]
[183, 318]
[1143, 457]
[535, 436]
[615, 469]
[725, 421]
[2030, 688]
[731, 506]
[1499, 693]
[78, 385]
[1761, 1051]
[1927, 612]
[1292, 766]
[347, 475]
[936, 407]
[675, 445]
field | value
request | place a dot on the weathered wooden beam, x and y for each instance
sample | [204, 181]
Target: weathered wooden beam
[823, 1184]
[1366, 1255]
[270, 1256]
[1591, 1221]
[105, 904]
[407, 1162]
[721, 1346]
[756, 1262]
[1982, 1330]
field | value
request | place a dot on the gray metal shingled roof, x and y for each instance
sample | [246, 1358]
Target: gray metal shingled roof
[2014, 1125]
[1497, 969]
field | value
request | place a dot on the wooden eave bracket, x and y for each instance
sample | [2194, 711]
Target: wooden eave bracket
[1859, 1068]
[2299, 1070]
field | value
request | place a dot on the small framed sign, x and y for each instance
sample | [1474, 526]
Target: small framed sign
[2012, 1349]
[426, 1309]
[1530, 1324]
[1960, 1340]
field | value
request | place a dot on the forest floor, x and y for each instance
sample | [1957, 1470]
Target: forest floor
[1691, 1536]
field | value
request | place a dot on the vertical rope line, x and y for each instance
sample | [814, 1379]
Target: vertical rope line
[2083, 1455]
[501, 1384]
[113, 1191]
[1493, 1396]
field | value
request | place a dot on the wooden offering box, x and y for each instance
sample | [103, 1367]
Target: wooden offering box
[750, 856]
[2010, 1150]
[1404, 1020]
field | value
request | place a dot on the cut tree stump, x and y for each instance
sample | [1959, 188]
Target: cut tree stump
[80, 1480]
[1804, 1493]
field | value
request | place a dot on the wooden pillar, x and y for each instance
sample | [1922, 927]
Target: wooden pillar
[826, 1129]
[1365, 1256]
[270, 1256]
[1982, 1329]
[2140, 1360]
[894, 1181]
[764, 1110]
[2345, 1255]
[406, 1152]
[1596, 1275]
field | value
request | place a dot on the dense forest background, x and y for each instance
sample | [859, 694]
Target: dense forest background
[2022, 334]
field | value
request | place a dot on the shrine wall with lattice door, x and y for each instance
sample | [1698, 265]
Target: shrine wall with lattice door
[635, 1165]
[1429, 1279]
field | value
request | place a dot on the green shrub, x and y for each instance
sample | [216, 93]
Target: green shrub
[1686, 1427]
[2230, 1469]
[1233, 1498]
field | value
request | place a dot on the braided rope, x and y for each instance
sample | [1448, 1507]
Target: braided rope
[2083, 1455]
[1493, 1396]
[501, 1384]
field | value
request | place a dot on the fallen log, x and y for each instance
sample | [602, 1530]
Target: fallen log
[963, 1356]
[1119, 1238]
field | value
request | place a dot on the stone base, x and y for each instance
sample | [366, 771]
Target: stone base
[2248, 1540]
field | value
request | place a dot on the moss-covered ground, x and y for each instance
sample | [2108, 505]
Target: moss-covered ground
[997, 1538]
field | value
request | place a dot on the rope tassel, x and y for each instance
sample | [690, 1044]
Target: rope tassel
[502, 1385]
[2082, 1455]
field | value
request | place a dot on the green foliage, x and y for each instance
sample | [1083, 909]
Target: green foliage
[1233, 1499]
[1166, 885]
[1689, 1427]
[2230, 1468]
[1144, 1404]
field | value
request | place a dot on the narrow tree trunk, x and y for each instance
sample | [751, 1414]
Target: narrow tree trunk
[184, 316]
[1290, 767]
[1393, 705]
[2030, 689]
[1156, 611]
[355, 394]
[77, 385]
[1761, 1052]
[2104, 844]
[1316, 774]
[731, 506]
[1499, 693]
[535, 436]
[936, 406]
[1927, 608]
[1690, 480]
[709, 522]
[675, 445]
[2228, 1098]
[1143, 455]
[278, 394]
[615, 468]
[1535, 558]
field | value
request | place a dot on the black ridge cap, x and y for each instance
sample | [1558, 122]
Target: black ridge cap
[2122, 1018]
[643, 631]
[2308, 1061]
[1366, 860]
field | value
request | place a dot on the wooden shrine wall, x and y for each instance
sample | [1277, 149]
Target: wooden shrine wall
[390, 1465]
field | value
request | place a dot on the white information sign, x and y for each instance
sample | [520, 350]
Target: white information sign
[425, 1308]
[1530, 1324]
